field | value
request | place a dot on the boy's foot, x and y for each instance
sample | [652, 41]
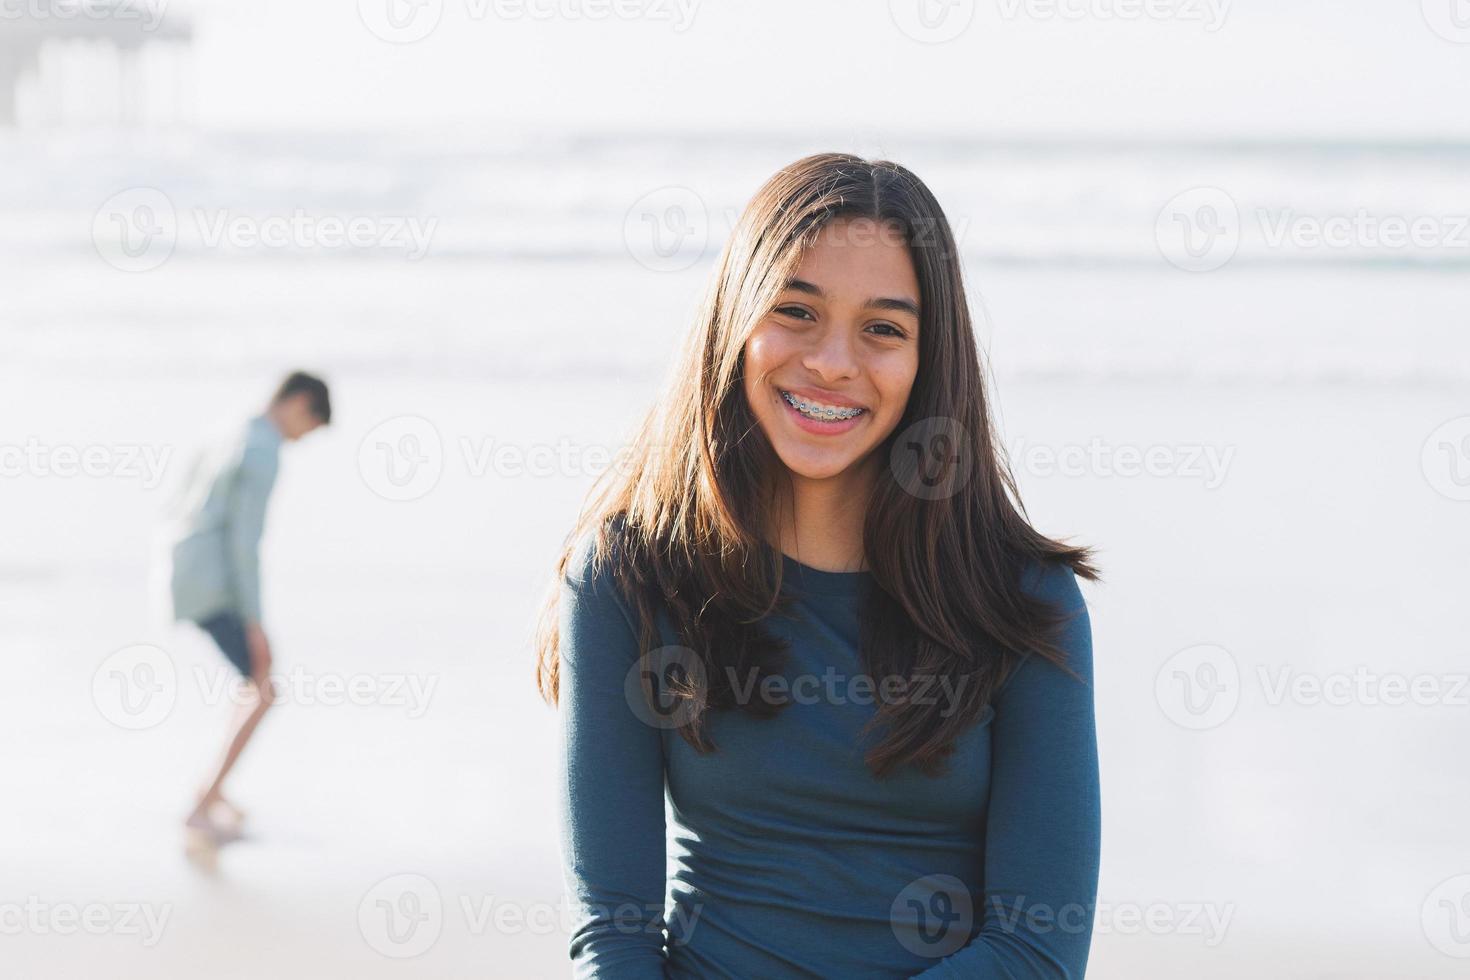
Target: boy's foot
[203, 830]
[230, 813]
[222, 809]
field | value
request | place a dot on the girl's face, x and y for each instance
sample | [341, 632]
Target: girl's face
[829, 370]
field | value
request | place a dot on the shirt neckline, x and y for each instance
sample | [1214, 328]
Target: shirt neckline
[815, 581]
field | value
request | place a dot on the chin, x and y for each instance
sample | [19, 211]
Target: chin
[812, 466]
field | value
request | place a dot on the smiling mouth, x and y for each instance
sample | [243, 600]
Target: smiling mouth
[818, 412]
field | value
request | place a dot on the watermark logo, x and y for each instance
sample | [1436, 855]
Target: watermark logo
[1199, 229]
[932, 21]
[1206, 464]
[1199, 687]
[40, 460]
[1209, 921]
[401, 916]
[148, 14]
[1363, 230]
[1450, 19]
[1210, 14]
[402, 458]
[410, 692]
[37, 917]
[1203, 228]
[136, 687]
[666, 689]
[1445, 917]
[135, 230]
[1445, 459]
[400, 21]
[667, 229]
[933, 459]
[408, 235]
[933, 916]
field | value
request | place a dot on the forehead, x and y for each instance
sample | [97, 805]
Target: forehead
[860, 255]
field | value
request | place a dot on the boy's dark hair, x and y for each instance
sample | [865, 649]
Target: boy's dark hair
[315, 390]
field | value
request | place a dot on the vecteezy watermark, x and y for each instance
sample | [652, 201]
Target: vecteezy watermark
[305, 230]
[147, 14]
[1198, 230]
[37, 917]
[933, 458]
[407, 21]
[122, 461]
[933, 916]
[1450, 19]
[404, 915]
[564, 457]
[1201, 686]
[136, 687]
[135, 230]
[1207, 464]
[1445, 458]
[1362, 686]
[1207, 920]
[668, 229]
[138, 229]
[668, 688]
[402, 458]
[1201, 229]
[1209, 14]
[1198, 687]
[300, 686]
[932, 21]
[1445, 916]
[1363, 230]
[401, 916]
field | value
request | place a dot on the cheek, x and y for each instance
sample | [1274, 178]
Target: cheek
[894, 381]
[764, 353]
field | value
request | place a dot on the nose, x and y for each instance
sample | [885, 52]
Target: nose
[831, 356]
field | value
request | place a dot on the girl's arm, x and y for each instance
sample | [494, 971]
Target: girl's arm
[1043, 833]
[612, 789]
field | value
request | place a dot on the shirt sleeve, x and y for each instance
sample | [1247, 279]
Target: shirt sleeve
[613, 790]
[1043, 830]
[248, 498]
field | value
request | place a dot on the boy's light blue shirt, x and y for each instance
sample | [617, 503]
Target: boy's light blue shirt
[221, 517]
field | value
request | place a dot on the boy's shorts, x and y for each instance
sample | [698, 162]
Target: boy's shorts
[228, 631]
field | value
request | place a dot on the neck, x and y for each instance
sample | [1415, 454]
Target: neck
[820, 522]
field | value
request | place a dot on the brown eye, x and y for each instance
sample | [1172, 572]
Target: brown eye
[892, 331]
[794, 311]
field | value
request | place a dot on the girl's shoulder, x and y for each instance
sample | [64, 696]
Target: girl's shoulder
[595, 555]
[1053, 582]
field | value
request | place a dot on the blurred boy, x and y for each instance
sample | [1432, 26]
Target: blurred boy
[216, 561]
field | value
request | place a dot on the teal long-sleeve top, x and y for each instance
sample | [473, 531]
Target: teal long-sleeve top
[790, 859]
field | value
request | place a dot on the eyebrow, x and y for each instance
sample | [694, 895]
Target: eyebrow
[897, 304]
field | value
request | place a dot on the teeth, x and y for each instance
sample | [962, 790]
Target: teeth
[820, 412]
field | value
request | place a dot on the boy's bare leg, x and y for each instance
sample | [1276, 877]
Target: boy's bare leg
[247, 717]
[260, 694]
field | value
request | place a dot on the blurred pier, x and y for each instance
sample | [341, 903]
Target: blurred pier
[122, 62]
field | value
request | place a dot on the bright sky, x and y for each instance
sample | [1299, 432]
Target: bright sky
[1195, 68]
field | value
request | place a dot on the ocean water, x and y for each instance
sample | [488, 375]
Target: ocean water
[1306, 518]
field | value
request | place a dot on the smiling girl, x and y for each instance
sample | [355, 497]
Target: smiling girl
[812, 618]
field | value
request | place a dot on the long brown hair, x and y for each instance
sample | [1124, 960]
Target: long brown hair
[682, 526]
